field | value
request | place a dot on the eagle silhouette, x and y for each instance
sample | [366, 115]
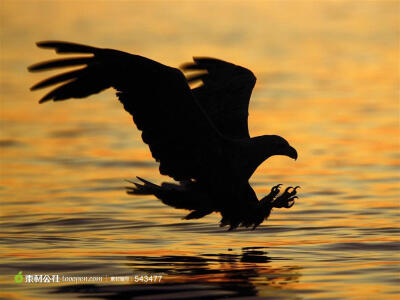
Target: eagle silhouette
[198, 135]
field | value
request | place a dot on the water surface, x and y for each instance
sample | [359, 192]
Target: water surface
[327, 81]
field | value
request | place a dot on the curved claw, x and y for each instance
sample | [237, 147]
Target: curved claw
[276, 187]
[287, 189]
[292, 192]
[291, 202]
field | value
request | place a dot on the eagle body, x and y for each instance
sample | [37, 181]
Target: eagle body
[199, 135]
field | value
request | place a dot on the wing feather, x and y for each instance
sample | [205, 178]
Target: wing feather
[225, 93]
[173, 124]
[58, 78]
[59, 63]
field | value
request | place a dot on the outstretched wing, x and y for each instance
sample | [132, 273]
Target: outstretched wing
[173, 124]
[225, 93]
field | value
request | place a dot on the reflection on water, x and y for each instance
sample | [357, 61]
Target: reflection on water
[327, 81]
[221, 275]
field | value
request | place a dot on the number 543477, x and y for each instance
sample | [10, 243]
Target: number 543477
[148, 278]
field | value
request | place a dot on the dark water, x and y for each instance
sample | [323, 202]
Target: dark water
[327, 81]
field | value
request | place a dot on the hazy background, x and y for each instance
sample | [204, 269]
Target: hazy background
[328, 81]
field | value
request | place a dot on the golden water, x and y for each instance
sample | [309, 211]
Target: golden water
[328, 81]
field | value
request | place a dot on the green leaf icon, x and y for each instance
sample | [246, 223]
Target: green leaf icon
[19, 278]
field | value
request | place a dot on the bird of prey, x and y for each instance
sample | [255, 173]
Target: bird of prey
[198, 135]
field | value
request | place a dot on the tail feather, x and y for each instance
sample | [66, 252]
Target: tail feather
[147, 188]
[147, 182]
[197, 214]
[180, 196]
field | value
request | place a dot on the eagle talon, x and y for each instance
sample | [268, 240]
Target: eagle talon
[288, 190]
[287, 198]
[291, 202]
[276, 188]
[291, 192]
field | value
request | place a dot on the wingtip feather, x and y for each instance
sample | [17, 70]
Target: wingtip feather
[43, 100]
[66, 47]
[60, 63]
[47, 44]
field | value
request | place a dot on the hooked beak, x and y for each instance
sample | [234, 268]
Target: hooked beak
[292, 153]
